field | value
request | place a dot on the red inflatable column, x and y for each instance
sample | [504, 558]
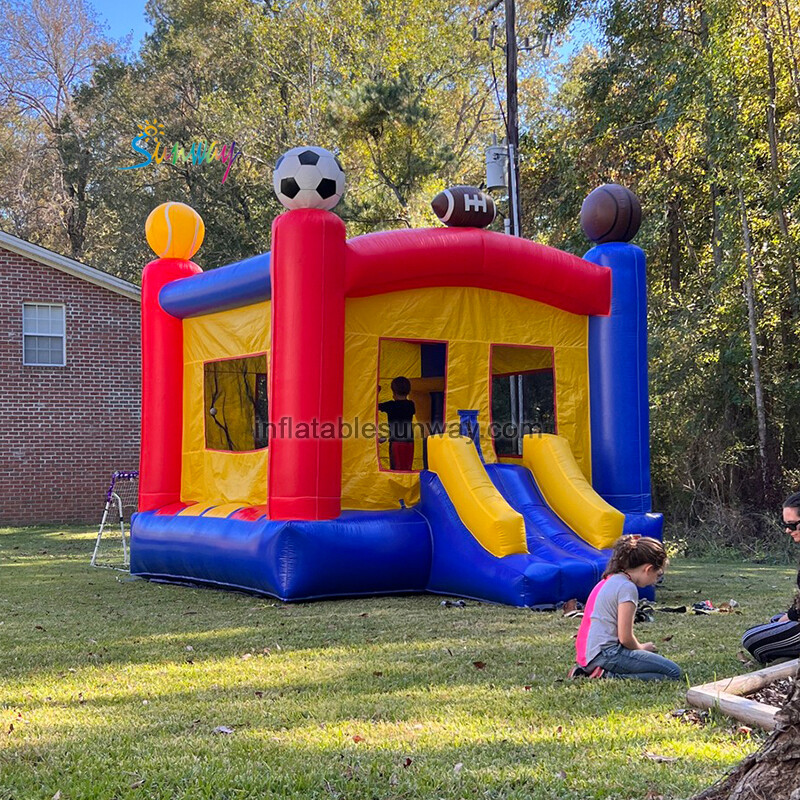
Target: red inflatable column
[307, 365]
[162, 388]
[173, 229]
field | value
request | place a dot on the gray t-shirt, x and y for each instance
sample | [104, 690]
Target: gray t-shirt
[618, 588]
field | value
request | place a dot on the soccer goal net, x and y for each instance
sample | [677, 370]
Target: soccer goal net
[111, 546]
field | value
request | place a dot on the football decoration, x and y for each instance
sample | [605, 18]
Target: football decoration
[174, 230]
[464, 207]
[611, 213]
[308, 177]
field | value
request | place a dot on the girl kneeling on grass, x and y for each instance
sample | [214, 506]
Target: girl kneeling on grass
[606, 646]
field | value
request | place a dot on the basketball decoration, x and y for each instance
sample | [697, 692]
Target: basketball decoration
[174, 230]
[464, 207]
[611, 213]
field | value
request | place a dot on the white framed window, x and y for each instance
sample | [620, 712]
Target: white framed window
[43, 335]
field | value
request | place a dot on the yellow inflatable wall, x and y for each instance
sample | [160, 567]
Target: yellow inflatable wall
[470, 321]
[214, 476]
[506, 360]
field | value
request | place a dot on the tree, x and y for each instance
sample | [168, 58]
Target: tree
[408, 98]
[390, 117]
[687, 104]
[207, 73]
[774, 770]
[47, 49]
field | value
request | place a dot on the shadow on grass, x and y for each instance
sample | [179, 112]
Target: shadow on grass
[357, 758]
[61, 614]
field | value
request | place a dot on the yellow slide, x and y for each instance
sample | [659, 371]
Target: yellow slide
[479, 505]
[567, 491]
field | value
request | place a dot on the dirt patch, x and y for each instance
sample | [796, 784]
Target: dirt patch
[774, 694]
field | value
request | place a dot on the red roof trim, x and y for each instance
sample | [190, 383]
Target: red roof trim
[393, 261]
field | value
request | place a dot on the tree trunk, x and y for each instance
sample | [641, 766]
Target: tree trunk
[674, 247]
[716, 236]
[789, 312]
[772, 773]
[710, 135]
[752, 326]
[788, 28]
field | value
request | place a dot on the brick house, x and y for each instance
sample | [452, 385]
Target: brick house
[71, 384]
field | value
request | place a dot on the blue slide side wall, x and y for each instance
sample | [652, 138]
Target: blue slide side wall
[582, 564]
[645, 525]
[548, 537]
[461, 566]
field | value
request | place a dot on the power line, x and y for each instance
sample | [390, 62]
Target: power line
[511, 114]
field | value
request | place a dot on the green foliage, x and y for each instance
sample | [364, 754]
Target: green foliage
[676, 106]
[389, 114]
[399, 88]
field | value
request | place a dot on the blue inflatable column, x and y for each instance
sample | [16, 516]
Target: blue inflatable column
[469, 427]
[620, 412]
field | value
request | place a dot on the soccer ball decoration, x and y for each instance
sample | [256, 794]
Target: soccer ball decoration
[308, 177]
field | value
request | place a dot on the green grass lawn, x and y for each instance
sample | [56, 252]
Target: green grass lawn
[112, 688]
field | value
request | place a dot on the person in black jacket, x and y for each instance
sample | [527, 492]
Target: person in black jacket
[400, 412]
[780, 637]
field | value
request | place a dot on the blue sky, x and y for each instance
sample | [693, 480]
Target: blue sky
[123, 17]
[126, 17]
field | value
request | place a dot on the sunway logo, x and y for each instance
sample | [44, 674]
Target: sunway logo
[148, 143]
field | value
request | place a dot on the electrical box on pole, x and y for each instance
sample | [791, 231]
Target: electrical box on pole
[497, 167]
[502, 162]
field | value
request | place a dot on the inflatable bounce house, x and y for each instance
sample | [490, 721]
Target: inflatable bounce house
[269, 458]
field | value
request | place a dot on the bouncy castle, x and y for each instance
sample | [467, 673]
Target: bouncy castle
[265, 456]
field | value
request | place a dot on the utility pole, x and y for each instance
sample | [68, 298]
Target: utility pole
[512, 49]
[512, 133]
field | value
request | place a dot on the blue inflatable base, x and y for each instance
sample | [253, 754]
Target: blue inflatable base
[404, 551]
[360, 553]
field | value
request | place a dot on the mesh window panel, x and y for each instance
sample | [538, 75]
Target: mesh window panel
[523, 399]
[236, 403]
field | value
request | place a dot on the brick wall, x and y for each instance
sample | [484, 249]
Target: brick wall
[64, 430]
